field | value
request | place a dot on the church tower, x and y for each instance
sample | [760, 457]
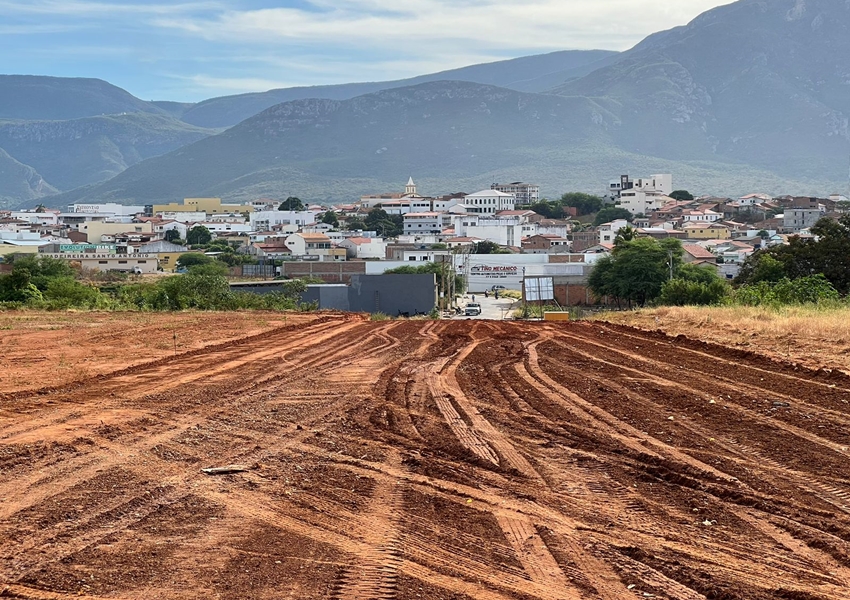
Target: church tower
[410, 188]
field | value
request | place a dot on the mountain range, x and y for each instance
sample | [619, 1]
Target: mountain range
[752, 96]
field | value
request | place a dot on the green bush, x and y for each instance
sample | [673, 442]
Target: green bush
[681, 292]
[815, 289]
[63, 293]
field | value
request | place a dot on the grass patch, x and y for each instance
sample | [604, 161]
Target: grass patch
[816, 335]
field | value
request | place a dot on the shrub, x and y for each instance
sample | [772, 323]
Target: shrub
[681, 292]
[814, 289]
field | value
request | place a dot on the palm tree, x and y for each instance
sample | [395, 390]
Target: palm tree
[625, 234]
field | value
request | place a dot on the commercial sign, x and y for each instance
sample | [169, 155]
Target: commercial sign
[83, 248]
[494, 271]
[93, 256]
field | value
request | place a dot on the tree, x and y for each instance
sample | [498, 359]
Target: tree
[172, 235]
[584, 204]
[387, 225]
[625, 234]
[198, 235]
[190, 259]
[355, 224]
[214, 267]
[40, 270]
[694, 285]
[488, 247]
[291, 203]
[550, 210]
[681, 195]
[636, 270]
[330, 218]
[827, 254]
[611, 213]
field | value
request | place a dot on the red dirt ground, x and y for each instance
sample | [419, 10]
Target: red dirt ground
[433, 460]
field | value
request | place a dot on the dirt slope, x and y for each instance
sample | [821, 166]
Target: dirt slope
[433, 460]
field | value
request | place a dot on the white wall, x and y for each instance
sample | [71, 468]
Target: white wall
[269, 218]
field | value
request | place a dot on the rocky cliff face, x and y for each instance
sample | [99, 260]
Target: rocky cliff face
[20, 183]
[762, 82]
[85, 151]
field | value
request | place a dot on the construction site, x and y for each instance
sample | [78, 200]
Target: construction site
[324, 455]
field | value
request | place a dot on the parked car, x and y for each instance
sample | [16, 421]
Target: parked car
[472, 309]
[498, 288]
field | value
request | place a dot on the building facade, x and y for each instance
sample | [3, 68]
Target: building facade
[524, 193]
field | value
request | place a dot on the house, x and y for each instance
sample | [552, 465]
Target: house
[697, 255]
[732, 252]
[608, 231]
[364, 248]
[275, 249]
[95, 230]
[462, 242]
[163, 227]
[308, 246]
[701, 216]
[599, 249]
[705, 231]
[545, 243]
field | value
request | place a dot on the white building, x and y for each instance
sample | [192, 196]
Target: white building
[364, 248]
[314, 245]
[702, 216]
[48, 217]
[108, 208]
[160, 227]
[183, 217]
[423, 223]
[524, 193]
[489, 202]
[608, 231]
[505, 231]
[268, 219]
[641, 196]
[642, 202]
[225, 227]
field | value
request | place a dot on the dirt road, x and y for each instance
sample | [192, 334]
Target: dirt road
[432, 460]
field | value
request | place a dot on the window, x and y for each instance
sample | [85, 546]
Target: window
[141, 262]
[103, 262]
[122, 262]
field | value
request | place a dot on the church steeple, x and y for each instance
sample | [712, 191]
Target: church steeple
[410, 188]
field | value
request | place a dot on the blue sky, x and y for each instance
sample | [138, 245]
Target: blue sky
[196, 49]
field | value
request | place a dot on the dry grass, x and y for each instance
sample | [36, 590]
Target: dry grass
[814, 336]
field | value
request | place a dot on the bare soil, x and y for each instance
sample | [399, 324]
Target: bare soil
[420, 459]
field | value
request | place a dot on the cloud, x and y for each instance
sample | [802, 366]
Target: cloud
[103, 9]
[238, 85]
[488, 24]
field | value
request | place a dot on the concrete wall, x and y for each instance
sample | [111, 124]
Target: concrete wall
[328, 296]
[389, 294]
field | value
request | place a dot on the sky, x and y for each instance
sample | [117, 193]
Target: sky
[189, 50]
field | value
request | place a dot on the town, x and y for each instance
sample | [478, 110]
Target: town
[499, 237]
